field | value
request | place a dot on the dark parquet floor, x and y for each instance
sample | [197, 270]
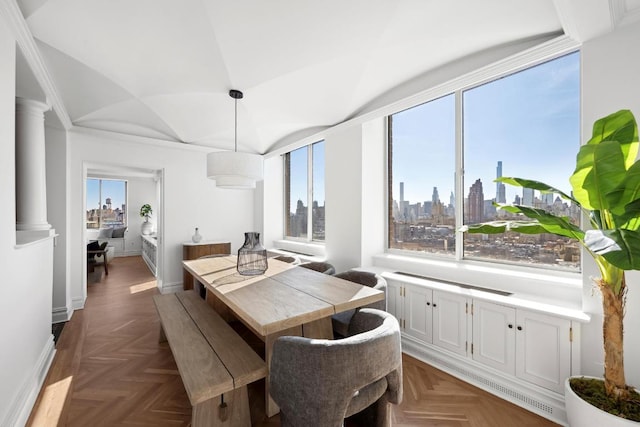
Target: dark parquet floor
[110, 370]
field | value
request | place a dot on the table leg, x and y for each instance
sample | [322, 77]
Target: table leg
[270, 407]
[321, 328]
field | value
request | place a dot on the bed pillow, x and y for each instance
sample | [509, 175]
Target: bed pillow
[118, 233]
[105, 233]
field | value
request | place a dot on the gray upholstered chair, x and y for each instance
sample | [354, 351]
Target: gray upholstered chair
[322, 267]
[321, 382]
[340, 321]
[291, 259]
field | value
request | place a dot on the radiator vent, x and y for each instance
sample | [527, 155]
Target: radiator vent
[493, 385]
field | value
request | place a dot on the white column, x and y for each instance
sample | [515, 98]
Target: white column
[31, 182]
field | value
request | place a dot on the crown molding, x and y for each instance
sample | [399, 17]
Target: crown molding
[623, 14]
[125, 137]
[16, 22]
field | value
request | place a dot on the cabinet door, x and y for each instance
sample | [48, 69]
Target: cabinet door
[394, 300]
[450, 321]
[418, 313]
[494, 336]
[543, 349]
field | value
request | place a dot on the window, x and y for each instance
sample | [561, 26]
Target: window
[526, 125]
[304, 187]
[422, 165]
[106, 203]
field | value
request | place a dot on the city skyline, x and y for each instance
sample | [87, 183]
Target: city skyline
[528, 120]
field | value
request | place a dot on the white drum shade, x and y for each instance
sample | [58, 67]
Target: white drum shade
[231, 169]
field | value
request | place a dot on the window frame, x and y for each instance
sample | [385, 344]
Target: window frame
[456, 88]
[287, 198]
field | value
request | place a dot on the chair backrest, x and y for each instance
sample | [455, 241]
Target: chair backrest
[322, 267]
[288, 258]
[314, 381]
[92, 246]
[369, 279]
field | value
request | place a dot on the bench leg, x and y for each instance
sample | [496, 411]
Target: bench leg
[236, 414]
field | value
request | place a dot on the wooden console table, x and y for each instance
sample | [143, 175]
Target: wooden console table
[192, 250]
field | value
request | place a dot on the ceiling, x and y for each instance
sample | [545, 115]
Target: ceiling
[163, 68]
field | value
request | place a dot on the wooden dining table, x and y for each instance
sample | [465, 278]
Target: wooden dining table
[285, 300]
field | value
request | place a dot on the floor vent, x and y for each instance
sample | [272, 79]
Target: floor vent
[493, 385]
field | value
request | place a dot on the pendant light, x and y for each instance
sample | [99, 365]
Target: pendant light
[231, 169]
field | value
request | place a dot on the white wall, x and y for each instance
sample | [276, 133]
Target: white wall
[272, 213]
[354, 188]
[140, 191]
[610, 70]
[26, 288]
[190, 200]
[56, 160]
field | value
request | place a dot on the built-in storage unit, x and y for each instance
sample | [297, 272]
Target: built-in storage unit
[518, 349]
[149, 252]
[192, 250]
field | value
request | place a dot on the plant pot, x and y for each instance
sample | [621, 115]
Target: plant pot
[583, 414]
[146, 228]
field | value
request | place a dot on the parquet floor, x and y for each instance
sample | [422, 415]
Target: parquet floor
[110, 370]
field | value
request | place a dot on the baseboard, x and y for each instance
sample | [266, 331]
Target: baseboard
[543, 402]
[22, 404]
[169, 288]
[61, 314]
[77, 303]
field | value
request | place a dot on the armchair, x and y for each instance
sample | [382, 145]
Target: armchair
[340, 321]
[321, 382]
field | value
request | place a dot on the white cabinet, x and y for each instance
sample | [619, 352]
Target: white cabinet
[430, 316]
[532, 346]
[418, 313]
[450, 321]
[494, 336]
[543, 349]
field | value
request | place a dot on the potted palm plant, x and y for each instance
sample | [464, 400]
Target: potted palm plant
[145, 212]
[606, 187]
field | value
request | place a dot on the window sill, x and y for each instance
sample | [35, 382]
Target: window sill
[553, 287]
[309, 250]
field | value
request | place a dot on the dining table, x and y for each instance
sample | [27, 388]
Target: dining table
[285, 300]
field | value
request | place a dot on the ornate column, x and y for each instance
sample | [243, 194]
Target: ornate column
[31, 181]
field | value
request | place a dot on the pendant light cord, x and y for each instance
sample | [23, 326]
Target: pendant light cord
[235, 132]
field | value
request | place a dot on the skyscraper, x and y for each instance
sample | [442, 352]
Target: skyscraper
[435, 198]
[527, 196]
[403, 212]
[501, 192]
[476, 203]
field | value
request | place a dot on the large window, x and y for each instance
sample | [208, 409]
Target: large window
[526, 125]
[304, 187]
[421, 167]
[106, 203]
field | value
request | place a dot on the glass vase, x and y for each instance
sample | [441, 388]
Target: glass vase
[252, 256]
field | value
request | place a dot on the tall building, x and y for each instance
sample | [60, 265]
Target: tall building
[476, 203]
[435, 198]
[527, 196]
[403, 212]
[501, 192]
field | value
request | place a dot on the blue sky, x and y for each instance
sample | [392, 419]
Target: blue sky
[529, 120]
[298, 190]
[110, 188]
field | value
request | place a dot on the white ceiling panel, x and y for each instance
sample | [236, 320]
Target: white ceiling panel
[163, 68]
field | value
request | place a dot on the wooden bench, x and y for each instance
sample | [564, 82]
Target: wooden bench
[215, 363]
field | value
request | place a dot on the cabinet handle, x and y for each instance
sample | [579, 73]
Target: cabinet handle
[510, 326]
[434, 305]
[429, 304]
[519, 328]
